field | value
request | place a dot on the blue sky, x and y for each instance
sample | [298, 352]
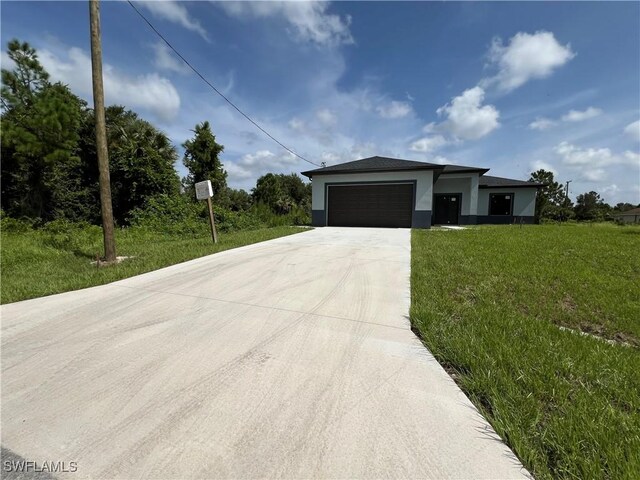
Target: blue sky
[508, 86]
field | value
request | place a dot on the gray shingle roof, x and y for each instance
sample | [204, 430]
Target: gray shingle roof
[380, 164]
[487, 181]
[633, 211]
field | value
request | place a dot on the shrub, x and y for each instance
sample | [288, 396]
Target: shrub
[173, 214]
[14, 225]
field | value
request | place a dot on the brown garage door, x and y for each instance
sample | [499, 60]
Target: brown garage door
[381, 205]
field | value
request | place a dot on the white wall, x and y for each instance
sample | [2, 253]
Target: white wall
[524, 200]
[423, 178]
[466, 184]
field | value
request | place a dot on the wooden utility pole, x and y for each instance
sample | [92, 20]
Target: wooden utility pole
[212, 222]
[101, 133]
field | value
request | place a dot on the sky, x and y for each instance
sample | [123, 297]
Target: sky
[513, 87]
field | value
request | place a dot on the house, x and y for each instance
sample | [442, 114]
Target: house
[630, 216]
[390, 192]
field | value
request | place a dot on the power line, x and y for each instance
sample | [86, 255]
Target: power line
[215, 89]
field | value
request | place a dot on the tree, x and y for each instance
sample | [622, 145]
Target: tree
[268, 190]
[282, 192]
[201, 157]
[40, 122]
[551, 201]
[141, 161]
[624, 206]
[589, 206]
[239, 200]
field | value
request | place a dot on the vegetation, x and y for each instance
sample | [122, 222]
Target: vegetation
[49, 168]
[503, 309]
[553, 204]
[57, 257]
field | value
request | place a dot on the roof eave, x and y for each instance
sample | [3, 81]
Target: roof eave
[311, 173]
[530, 185]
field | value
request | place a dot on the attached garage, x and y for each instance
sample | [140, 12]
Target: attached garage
[370, 205]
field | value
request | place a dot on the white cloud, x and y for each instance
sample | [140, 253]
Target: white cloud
[439, 159]
[574, 156]
[428, 144]
[296, 124]
[633, 130]
[326, 117]
[310, 20]
[431, 127]
[253, 165]
[527, 56]
[541, 123]
[150, 91]
[467, 118]
[594, 174]
[176, 12]
[166, 60]
[394, 109]
[579, 116]
[5, 61]
[542, 165]
[632, 158]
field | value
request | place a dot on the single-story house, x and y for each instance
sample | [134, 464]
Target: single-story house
[390, 192]
[630, 216]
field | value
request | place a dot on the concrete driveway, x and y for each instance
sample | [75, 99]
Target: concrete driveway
[289, 358]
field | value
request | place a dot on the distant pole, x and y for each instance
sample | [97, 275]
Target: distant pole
[566, 191]
[101, 133]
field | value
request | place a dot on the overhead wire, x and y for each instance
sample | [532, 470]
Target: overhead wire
[202, 77]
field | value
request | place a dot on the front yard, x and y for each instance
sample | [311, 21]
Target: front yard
[47, 261]
[501, 308]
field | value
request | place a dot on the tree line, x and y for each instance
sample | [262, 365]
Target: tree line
[553, 203]
[49, 163]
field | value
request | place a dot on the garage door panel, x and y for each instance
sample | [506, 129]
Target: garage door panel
[370, 205]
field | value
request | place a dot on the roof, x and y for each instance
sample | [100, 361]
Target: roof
[633, 211]
[381, 164]
[487, 181]
[462, 168]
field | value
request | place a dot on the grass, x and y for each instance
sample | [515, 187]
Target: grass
[489, 303]
[47, 261]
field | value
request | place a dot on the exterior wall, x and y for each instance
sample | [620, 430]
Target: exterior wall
[627, 218]
[423, 192]
[524, 205]
[464, 184]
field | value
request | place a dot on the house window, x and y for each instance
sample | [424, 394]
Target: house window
[501, 204]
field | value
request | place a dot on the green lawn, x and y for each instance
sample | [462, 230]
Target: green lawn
[489, 303]
[43, 262]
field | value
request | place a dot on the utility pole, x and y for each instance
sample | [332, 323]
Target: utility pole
[101, 133]
[566, 190]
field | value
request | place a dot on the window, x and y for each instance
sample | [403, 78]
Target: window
[500, 203]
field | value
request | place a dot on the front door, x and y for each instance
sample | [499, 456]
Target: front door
[446, 209]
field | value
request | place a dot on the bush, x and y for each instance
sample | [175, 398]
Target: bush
[14, 225]
[72, 236]
[172, 214]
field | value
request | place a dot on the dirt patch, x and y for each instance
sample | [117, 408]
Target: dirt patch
[567, 304]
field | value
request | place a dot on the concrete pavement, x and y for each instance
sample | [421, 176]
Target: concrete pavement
[290, 358]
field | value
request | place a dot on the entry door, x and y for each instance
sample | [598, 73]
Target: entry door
[447, 209]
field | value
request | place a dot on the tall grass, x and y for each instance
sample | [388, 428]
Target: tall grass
[57, 257]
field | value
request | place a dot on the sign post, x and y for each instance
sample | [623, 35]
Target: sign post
[204, 191]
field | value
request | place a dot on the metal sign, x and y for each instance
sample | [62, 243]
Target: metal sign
[204, 190]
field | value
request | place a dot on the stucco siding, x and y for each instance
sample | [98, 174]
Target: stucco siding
[524, 200]
[463, 185]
